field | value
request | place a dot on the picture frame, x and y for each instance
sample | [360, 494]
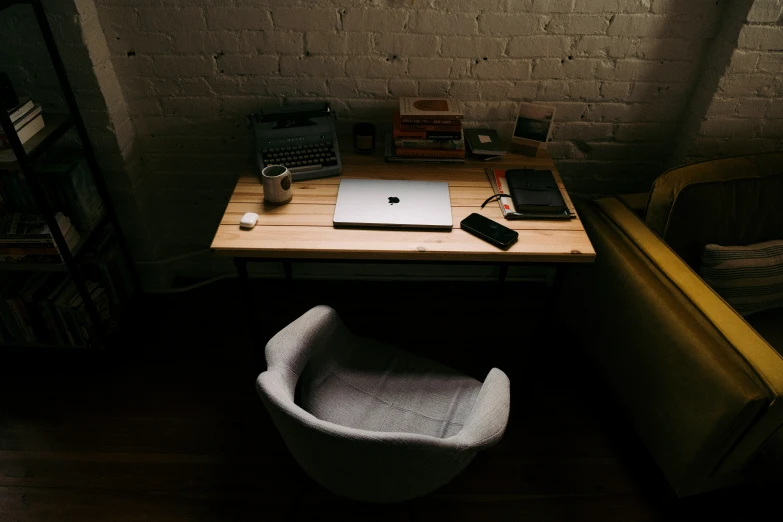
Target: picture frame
[532, 129]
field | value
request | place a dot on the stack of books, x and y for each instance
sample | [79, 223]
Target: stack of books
[47, 308]
[26, 238]
[428, 129]
[27, 120]
[68, 187]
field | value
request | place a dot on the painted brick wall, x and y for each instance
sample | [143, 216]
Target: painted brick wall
[630, 78]
[745, 113]
[619, 72]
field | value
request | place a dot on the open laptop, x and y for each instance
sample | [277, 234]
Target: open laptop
[393, 204]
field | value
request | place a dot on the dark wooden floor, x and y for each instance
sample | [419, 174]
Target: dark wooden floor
[167, 426]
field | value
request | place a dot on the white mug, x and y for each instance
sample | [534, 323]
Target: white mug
[277, 184]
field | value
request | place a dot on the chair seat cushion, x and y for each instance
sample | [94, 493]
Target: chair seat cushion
[370, 386]
[769, 324]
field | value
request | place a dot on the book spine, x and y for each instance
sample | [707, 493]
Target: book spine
[413, 120]
[432, 128]
[17, 309]
[29, 258]
[423, 135]
[24, 239]
[25, 250]
[59, 317]
[431, 153]
[431, 144]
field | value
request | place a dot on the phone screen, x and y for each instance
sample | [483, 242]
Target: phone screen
[496, 231]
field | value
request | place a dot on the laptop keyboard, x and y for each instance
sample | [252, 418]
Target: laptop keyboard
[297, 158]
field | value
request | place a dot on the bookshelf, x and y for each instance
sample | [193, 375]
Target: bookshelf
[22, 159]
[56, 127]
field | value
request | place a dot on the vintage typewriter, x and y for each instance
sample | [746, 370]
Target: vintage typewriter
[301, 137]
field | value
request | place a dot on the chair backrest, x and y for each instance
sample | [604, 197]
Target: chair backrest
[729, 202]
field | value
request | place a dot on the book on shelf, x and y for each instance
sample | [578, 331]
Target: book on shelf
[47, 308]
[23, 107]
[26, 126]
[390, 154]
[485, 142]
[429, 111]
[68, 187]
[106, 263]
[499, 182]
[26, 238]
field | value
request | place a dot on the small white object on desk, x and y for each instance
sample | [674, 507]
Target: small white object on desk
[249, 220]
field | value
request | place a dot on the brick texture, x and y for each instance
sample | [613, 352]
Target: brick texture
[620, 72]
[746, 107]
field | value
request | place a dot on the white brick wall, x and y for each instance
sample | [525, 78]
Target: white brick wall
[614, 68]
[744, 114]
[621, 73]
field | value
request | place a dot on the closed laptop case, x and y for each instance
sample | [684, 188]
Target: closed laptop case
[534, 191]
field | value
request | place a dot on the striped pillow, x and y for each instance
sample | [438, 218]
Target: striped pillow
[749, 278]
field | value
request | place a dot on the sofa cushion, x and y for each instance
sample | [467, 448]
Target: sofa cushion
[769, 324]
[730, 201]
[749, 278]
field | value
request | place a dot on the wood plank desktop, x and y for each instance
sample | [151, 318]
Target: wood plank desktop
[302, 229]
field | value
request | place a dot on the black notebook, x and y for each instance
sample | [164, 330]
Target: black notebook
[535, 191]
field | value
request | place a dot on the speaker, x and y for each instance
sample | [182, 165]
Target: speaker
[8, 98]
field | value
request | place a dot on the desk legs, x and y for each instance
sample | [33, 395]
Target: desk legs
[502, 273]
[250, 310]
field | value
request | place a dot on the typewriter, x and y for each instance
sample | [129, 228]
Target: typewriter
[301, 137]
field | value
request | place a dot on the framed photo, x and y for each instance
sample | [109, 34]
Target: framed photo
[533, 128]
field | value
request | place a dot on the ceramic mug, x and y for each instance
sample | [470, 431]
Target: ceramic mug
[277, 184]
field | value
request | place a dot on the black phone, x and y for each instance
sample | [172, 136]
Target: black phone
[490, 231]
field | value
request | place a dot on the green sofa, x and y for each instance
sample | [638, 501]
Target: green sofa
[701, 385]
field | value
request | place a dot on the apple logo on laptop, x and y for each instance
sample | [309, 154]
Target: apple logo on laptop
[393, 200]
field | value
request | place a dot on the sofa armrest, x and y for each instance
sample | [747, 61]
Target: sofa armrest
[637, 202]
[700, 385]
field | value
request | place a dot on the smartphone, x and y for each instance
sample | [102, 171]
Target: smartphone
[490, 231]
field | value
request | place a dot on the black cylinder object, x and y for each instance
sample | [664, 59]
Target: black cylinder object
[364, 138]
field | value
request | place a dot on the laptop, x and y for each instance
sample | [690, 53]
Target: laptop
[393, 204]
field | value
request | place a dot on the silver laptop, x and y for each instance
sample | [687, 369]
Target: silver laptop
[393, 204]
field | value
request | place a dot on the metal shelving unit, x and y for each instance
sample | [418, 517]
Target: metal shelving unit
[23, 157]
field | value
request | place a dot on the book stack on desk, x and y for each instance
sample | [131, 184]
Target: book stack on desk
[427, 129]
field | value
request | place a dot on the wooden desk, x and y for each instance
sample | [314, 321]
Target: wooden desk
[303, 228]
